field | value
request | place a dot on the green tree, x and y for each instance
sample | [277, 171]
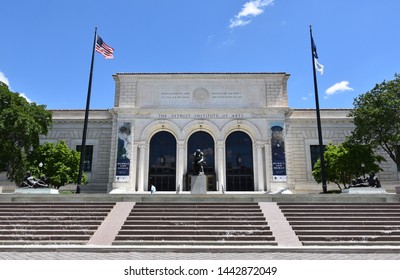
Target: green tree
[21, 124]
[60, 163]
[347, 161]
[376, 117]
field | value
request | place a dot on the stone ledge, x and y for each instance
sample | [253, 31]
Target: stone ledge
[364, 190]
[36, 191]
[69, 187]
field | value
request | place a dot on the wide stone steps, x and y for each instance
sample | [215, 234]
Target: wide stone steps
[219, 242]
[50, 223]
[198, 223]
[195, 224]
[226, 227]
[56, 226]
[59, 221]
[342, 224]
[197, 232]
[345, 227]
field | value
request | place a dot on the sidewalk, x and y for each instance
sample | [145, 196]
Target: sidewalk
[197, 253]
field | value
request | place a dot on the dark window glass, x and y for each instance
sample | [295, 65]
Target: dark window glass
[239, 162]
[162, 163]
[203, 141]
[315, 154]
[87, 163]
[397, 157]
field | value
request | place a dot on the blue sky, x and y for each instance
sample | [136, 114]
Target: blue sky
[46, 45]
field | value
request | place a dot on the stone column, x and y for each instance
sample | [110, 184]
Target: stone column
[220, 172]
[268, 166]
[141, 167]
[133, 168]
[260, 168]
[180, 167]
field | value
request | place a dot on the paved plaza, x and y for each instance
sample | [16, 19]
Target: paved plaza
[112, 253]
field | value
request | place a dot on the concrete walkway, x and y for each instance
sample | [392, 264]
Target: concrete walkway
[281, 230]
[196, 253]
[111, 225]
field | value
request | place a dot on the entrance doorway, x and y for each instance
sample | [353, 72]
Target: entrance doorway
[162, 162]
[239, 162]
[203, 141]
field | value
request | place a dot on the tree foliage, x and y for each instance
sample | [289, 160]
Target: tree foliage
[21, 124]
[344, 163]
[376, 117]
[60, 164]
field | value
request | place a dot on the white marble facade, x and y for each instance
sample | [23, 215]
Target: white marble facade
[217, 104]
[158, 119]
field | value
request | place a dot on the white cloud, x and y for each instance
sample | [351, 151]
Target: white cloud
[251, 8]
[305, 98]
[26, 97]
[341, 86]
[238, 22]
[4, 79]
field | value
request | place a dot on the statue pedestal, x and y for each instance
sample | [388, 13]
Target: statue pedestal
[198, 184]
[36, 191]
[364, 190]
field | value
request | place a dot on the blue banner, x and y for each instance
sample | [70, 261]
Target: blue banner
[278, 151]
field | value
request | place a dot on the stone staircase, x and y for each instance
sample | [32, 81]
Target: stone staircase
[50, 223]
[110, 223]
[195, 224]
[343, 224]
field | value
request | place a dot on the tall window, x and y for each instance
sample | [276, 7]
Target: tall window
[397, 157]
[87, 163]
[203, 141]
[315, 154]
[162, 162]
[239, 162]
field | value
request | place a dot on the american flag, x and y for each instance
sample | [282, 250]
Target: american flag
[103, 48]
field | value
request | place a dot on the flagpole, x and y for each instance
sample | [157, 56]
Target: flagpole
[321, 145]
[85, 124]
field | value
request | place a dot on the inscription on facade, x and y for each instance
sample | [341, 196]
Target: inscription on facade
[226, 95]
[199, 116]
[200, 95]
[175, 95]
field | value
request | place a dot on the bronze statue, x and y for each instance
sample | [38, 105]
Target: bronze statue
[198, 162]
[31, 182]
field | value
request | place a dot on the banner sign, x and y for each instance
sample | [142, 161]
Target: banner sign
[278, 151]
[123, 152]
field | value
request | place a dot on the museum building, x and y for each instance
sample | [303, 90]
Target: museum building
[241, 122]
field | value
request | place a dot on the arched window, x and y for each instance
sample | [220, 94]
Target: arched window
[203, 141]
[239, 162]
[162, 162]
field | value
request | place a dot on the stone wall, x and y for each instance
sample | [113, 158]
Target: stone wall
[68, 126]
